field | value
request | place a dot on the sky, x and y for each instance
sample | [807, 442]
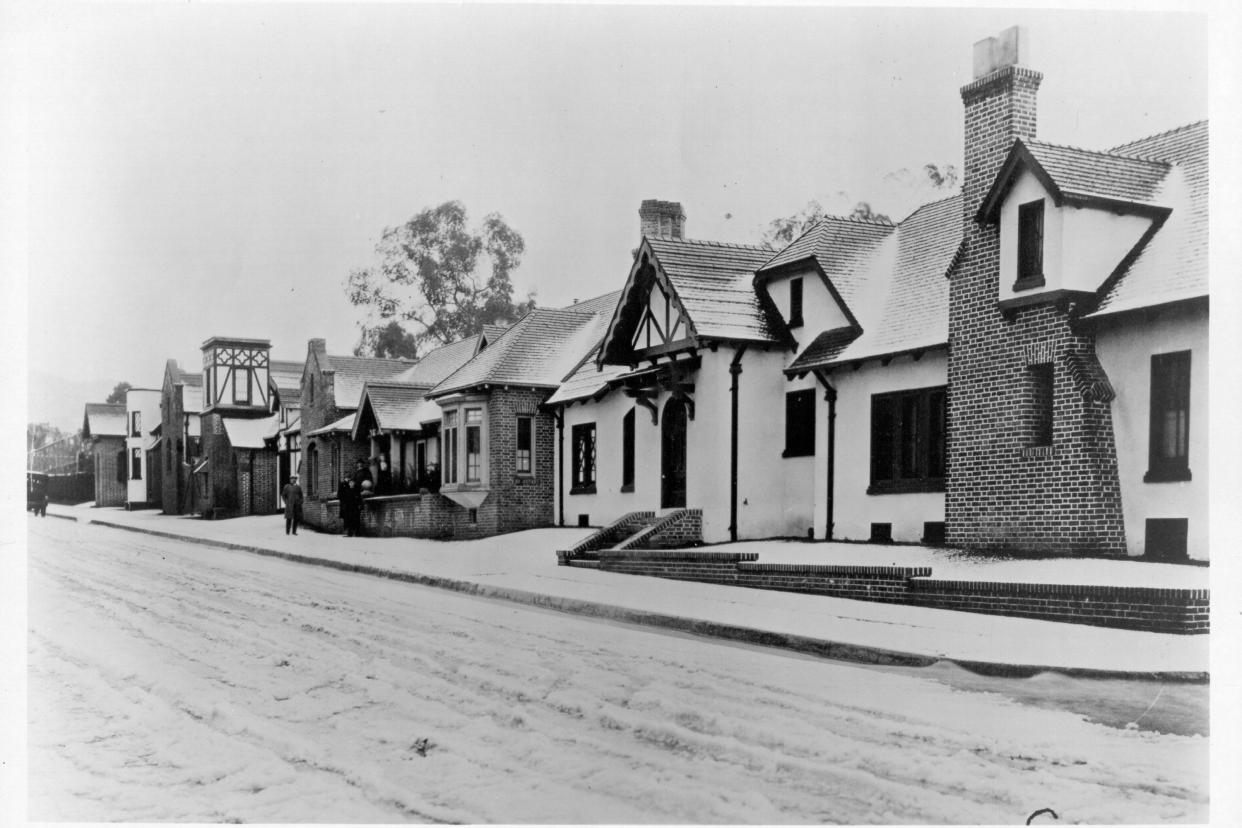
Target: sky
[193, 170]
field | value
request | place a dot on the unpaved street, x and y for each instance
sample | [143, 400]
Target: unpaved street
[174, 682]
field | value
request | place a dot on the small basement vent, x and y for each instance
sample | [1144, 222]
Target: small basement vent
[881, 533]
[584, 520]
[933, 533]
[1166, 539]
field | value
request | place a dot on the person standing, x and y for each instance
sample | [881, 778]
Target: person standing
[345, 500]
[292, 495]
[361, 481]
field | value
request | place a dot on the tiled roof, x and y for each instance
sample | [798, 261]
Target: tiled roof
[346, 423]
[194, 378]
[105, 419]
[907, 294]
[394, 405]
[436, 366]
[539, 350]
[1088, 174]
[287, 375]
[491, 332]
[587, 380]
[249, 432]
[839, 245]
[713, 281]
[1173, 266]
[354, 372]
[605, 304]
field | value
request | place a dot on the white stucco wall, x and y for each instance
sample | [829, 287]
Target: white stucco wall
[854, 510]
[608, 502]
[147, 403]
[1125, 351]
[820, 311]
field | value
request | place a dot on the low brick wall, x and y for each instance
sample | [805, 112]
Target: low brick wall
[1181, 611]
[421, 515]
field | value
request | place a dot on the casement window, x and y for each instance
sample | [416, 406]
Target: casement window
[135, 424]
[1043, 403]
[312, 468]
[241, 386]
[525, 444]
[799, 423]
[474, 444]
[795, 302]
[135, 464]
[908, 441]
[1169, 440]
[1030, 245]
[627, 451]
[448, 448]
[583, 459]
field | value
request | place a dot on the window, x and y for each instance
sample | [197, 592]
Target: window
[312, 468]
[241, 386]
[1043, 404]
[135, 424]
[1169, 442]
[795, 302]
[121, 463]
[627, 451]
[908, 441]
[474, 443]
[1030, 245]
[448, 448]
[525, 435]
[584, 459]
[800, 423]
[135, 464]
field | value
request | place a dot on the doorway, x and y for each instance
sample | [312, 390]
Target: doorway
[673, 455]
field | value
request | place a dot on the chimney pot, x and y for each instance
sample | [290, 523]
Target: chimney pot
[662, 219]
[1009, 48]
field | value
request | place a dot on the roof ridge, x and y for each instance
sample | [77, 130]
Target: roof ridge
[711, 243]
[1106, 153]
[853, 220]
[1182, 128]
[927, 204]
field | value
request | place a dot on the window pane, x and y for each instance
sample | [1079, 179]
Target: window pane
[1170, 412]
[882, 438]
[627, 449]
[1031, 240]
[910, 432]
[473, 449]
[936, 434]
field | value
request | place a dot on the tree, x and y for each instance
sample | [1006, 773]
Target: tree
[390, 341]
[907, 188]
[431, 274]
[118, 393]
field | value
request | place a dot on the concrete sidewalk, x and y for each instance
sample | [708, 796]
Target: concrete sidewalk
[522, 567]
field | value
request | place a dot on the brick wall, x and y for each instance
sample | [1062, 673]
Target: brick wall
[108, 490]
[1181, 611]
[1000, 493]
[175, 479]
[519, 501]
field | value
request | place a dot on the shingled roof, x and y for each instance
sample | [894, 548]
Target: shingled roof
[393, 406]
[907, 306]
[1173, 265]
[713, 283]
[287, 375]
[840, 246]
[104, 420]
[436, 366]
[537, 352]
[352, 373]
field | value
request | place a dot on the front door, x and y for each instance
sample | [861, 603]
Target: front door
[673, 455]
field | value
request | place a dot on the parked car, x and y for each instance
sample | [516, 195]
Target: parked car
[36, 493]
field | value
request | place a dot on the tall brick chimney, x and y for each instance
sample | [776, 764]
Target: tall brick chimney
[1008, 487]
[662, 219]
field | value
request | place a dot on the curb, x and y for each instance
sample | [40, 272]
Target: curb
[822, 648]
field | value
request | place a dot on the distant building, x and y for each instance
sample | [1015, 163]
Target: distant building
[103, 437]
[181, 400]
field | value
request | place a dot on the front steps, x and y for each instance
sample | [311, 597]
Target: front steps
[677, 528]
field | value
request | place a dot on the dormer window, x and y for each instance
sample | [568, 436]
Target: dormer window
[1030, 245]
[795, 302]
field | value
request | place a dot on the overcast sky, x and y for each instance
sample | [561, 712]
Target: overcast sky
[195, 170]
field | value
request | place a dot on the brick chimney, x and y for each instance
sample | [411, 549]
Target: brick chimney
[1006, 487]
[662, 219]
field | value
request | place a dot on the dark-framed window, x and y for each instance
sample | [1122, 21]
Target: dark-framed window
[135, 424]
[908, 441]
[627, 451]
[135, 464]
[241, 387]
[1169, 440]
[121, 464]
[312, 468]
[525, 443]
[1030, 245]
[1043, 401]
[795, 302]
[583, 475]
[448, 448]
[474, 444]
[799, 423]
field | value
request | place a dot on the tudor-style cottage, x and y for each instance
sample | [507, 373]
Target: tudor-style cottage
[103, 436]
[1021, 367]
[142, 415]
[181, 398]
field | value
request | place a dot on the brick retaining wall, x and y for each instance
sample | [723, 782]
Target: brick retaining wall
[1181, 611]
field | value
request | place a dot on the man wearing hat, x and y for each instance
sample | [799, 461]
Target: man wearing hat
[291, 494]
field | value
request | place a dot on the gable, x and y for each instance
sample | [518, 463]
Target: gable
[649, 318]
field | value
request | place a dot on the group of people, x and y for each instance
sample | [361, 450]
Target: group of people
[350, 493]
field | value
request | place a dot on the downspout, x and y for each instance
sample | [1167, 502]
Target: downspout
[559, 416]
[830, 394]
[735, 370]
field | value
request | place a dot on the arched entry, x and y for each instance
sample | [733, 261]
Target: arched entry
[673, 455]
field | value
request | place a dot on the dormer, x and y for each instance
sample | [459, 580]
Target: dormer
[236, 376]
[1068, 218]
